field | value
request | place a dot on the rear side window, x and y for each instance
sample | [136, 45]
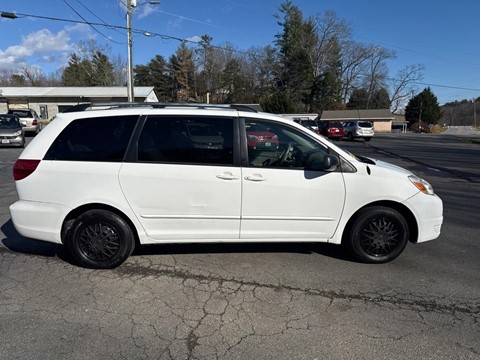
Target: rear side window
[93, 139]
[192, 140]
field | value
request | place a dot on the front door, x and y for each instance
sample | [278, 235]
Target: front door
[282, 198]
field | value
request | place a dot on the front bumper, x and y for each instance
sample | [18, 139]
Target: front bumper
[7, 140]
[428, 211]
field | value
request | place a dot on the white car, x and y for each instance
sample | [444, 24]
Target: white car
[28, 118]
[115, 178]
[358, 130]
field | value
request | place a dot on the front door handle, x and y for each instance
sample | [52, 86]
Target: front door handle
[228, 176]
[255, 177]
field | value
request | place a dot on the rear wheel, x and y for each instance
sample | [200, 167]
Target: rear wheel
[100, 239]
[349, 137]
[377, 235]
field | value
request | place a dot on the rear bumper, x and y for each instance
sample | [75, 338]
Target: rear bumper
[38, 220]
[31, 129]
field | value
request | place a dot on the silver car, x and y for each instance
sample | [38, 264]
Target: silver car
[11, 132]
[358, 129]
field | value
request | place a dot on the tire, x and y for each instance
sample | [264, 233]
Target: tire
[100, 239]
[349, 137]
[368, 139]
[377, 235]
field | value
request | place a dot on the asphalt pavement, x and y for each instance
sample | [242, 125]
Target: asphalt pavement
[258, 301]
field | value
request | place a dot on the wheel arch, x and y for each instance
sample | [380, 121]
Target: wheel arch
[402, 209]
[75, 213]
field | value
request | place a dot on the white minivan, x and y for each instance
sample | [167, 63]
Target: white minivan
[131, 174]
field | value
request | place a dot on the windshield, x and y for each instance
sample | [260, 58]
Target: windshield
[21, 113]
[9, 122]
[365, 124]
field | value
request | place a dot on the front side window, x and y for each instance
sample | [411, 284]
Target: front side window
[276, 145]
[183, 139]
[93, 139]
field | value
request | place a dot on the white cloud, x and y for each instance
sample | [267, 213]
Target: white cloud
[40, 44]
[145, 10]
[195, 39]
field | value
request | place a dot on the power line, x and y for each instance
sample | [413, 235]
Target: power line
[90, 24]
[91, 12]
[169, 37]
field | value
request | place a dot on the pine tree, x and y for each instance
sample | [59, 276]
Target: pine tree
[155, 74]
[102, 70]
[423, 107]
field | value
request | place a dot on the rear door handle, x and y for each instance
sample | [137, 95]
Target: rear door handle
[228, 176]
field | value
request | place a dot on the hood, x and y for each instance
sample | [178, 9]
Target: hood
[9, 131]
[388, 166]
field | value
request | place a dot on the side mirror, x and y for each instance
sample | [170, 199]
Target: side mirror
[318, 161]
[330, 163]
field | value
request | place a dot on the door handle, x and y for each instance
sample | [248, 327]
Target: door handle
[255, 177]
[228, 176]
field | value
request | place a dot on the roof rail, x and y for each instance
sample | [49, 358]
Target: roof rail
[156, 105]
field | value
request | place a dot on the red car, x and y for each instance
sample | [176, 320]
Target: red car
[260, 138]
[331, 129]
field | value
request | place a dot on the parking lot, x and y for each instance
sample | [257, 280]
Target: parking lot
[258, 301]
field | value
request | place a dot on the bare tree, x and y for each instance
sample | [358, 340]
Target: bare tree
[119, 70]
[329, 30]
[376, 71]
[354, 55]
[34, 75]
[404, 84]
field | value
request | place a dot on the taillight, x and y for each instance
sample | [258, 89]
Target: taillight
[23, 168]
[34, 122]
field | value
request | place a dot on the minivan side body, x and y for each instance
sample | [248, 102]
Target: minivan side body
[136, 174]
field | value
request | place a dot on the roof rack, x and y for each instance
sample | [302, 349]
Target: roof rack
[156, 105]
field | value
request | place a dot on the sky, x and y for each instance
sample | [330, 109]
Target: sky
[442, 35]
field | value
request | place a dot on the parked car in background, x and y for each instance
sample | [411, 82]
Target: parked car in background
[11, 132]
[28, 118]
[308, 123]
[358, 130]
[260, 137]
[331, 129]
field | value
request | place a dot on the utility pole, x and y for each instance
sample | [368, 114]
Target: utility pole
[130, 94]
[474, 114]
[420, 117]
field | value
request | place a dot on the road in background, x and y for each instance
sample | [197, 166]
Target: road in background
[265, 301]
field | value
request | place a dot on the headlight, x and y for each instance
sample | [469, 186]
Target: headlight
[18, 133]
[422, 185]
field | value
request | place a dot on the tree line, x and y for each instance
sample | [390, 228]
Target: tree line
[313, 64]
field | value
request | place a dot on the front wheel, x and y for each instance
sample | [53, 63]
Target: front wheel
[377, 235]
[100, 239]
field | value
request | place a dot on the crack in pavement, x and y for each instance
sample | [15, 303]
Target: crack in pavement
[414, 301]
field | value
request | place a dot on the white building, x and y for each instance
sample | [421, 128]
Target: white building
[48, 101]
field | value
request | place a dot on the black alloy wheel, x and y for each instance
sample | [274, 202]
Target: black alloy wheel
[378, 235]
[100, 239]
